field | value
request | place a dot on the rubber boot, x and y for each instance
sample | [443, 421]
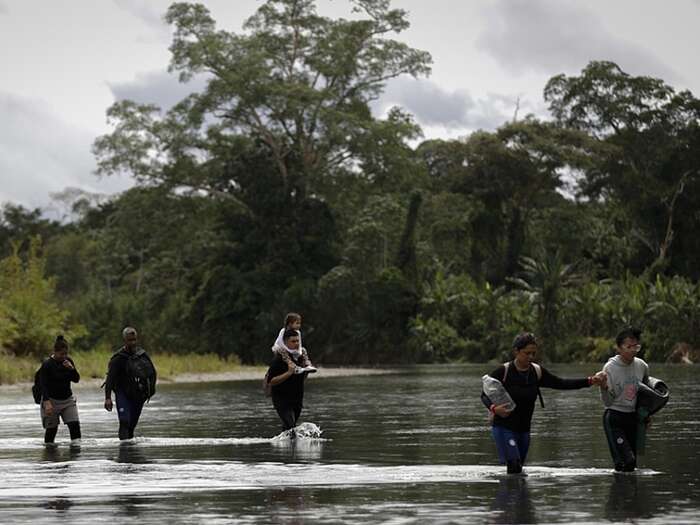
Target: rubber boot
[74, 429]
[514, 467]
[50, 435]
[124, 431]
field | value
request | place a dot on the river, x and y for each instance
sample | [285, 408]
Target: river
[401, 448]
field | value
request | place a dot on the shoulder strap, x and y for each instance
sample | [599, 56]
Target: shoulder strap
[506, 366]
[538, 373]
[538, 370]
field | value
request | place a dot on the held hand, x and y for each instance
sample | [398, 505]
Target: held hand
[108, 404]
[48, 408]
[291, 367]
[501, 410]
[600, 379]
[68, 364]
[596, 379]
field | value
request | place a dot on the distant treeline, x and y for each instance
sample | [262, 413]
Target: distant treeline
[275, 189]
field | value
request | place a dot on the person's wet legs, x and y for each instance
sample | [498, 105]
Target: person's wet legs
[50, 435]
[512, 448]
[129, 412]
[74, 429]
[287, 415]
[620, 431]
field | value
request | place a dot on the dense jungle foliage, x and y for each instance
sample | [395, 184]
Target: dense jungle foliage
[276, 189]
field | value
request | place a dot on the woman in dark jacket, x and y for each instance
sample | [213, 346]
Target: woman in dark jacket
[57, 400]
[522, 379]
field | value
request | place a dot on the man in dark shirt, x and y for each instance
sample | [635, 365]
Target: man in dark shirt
[129, 398]
[57, 400]
[287, 381]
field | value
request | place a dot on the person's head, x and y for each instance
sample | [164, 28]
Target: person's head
[130, 336]
[293, 321]
[524, 348]
[60, 348]
[291, 339]
[627, 342]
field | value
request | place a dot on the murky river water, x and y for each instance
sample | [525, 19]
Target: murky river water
[411, 447]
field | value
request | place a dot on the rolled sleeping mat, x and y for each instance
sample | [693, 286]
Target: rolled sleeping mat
[650, 399]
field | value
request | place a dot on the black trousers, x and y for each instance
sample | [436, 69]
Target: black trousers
[288, 412]
[621, 433]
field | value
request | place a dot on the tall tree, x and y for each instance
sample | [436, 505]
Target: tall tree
[297, 82]
[281, 132]
[506, 175]
[648, 150]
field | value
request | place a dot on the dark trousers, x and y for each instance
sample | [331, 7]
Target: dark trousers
[129, 412]
[288, 412]
[512, 448]
[621, 433]
[73, 427]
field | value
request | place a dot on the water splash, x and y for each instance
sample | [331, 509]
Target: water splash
[306, 430]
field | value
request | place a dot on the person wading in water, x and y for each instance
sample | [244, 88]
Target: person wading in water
[522, 379]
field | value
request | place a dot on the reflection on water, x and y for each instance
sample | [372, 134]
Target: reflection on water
[131, 453]
[628, 499]
[60, 454]
[411, 447]
[512, 502]
[59, 504]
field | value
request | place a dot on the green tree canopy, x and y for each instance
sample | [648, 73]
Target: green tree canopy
[647, 160]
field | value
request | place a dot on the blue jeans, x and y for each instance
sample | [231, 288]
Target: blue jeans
[128, 411]
[512, 446]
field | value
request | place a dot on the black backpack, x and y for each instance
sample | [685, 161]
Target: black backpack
[36, 388]
[141, 375]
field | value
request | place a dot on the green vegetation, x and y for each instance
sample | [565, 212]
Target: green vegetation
[93, 364]
[276, 189]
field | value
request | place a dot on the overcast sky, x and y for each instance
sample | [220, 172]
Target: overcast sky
[64, 62]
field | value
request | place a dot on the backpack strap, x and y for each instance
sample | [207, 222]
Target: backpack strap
[538, 373]
[538, 370]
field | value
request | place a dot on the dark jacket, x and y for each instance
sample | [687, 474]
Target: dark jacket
[290, 391]
[117, 377]
[523, 388]
[55, 379]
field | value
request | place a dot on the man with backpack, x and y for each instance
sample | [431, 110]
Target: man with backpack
[522, 379]
[53, 393]
[131, 375]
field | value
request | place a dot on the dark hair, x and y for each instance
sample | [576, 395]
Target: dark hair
[628, 331]
[290, 333]
[60, 343]
[290, 318]
[523, 339]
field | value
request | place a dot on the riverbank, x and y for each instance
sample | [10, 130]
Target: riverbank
[244, 373]
[93, 365]
[18, 372]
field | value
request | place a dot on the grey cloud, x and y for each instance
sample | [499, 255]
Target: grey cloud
[41, 154]
[428, 102]
[549, 36]
[144, 10]
[156, 87]
[3, 8]
[435, 107]
[151, 15]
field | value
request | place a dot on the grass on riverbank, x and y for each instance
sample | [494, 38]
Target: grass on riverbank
[93, 364]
